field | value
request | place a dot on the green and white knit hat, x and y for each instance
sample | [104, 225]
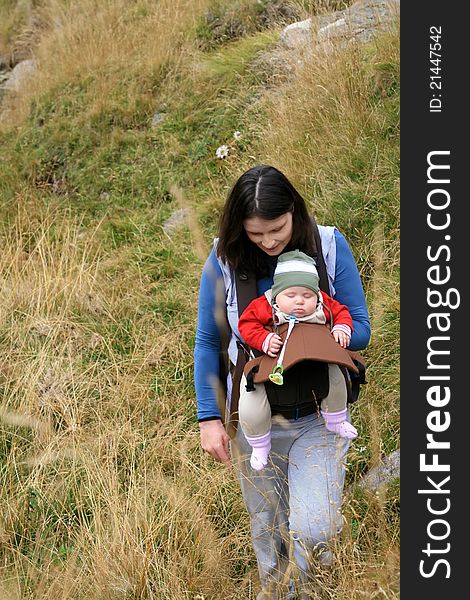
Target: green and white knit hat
[295, 269]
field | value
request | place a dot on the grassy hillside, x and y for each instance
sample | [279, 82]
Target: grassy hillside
[105, 493]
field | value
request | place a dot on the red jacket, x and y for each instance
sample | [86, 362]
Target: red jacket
[258, 315]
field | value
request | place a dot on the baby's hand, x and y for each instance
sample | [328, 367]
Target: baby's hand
[341, 337]
[274, 345]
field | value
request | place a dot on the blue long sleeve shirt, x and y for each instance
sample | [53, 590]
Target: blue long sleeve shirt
[348, 291]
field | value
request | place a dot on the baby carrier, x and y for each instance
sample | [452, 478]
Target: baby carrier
[306, 381]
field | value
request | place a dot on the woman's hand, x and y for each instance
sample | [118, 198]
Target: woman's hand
[215, 440]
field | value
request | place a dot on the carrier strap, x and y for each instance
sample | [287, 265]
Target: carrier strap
[246, 290]
[321, 265]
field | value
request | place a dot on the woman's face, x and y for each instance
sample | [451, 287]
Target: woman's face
[272, 236]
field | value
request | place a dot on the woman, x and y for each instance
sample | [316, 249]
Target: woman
[297, 497]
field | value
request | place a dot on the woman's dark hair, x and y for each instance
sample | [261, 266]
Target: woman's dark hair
[262, 192]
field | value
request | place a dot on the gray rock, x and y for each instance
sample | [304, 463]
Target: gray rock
[383, 473]
[274, 67]
[297, 42]
[297, 35]
[178, 218]
[43, 329]
[360, 22]
[19, 74]
[158, 118]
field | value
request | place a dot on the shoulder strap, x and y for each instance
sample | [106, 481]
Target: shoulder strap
[356, 379]
[246, 289]
[245, 284]
[321, 266]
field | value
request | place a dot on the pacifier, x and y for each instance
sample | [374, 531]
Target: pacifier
[276, 376]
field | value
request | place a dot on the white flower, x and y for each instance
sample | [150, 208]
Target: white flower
[222, 151]
[237, 135]
[362, 448]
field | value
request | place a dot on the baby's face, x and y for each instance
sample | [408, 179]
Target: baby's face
[297, 301]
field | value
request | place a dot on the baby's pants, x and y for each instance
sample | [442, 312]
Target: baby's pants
[254, 412]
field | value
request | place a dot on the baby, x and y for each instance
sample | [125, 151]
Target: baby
[295, 293]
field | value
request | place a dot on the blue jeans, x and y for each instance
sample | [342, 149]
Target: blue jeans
[294, 502]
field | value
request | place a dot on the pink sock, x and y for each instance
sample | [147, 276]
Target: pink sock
[336, 422]
[261, 446]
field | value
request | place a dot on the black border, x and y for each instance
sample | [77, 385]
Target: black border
[422, 132]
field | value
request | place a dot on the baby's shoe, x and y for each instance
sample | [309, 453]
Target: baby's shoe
[336, 422]
[261, 446]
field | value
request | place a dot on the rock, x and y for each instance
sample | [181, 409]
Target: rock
[333, 30]
[359, 22]
[383, 473]
[19, 74]
[276, 67]
[297, 35]
[178, 218]
[158, 118]
[43, 329]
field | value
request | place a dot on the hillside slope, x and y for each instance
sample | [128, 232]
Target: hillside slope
[105, 492]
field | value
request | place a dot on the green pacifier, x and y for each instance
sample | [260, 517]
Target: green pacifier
[276, 376]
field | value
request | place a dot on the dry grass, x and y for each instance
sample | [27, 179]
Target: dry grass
[123, 42]
[101, 488]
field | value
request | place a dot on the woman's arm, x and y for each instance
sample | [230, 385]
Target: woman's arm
[349, 291]
[207, 347]
[214, 438]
